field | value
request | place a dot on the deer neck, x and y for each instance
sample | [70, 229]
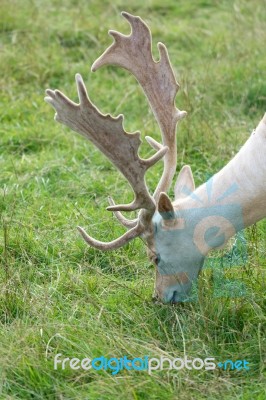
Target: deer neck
[241, 183]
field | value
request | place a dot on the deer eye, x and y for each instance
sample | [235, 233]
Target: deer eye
[157, 259]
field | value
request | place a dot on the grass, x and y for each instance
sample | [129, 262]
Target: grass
[59, 296]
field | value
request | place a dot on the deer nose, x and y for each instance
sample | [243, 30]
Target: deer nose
[179, 293]
[169, 295]
[174, 297]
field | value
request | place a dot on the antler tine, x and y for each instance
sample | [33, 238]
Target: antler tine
[133, 52]
[128, 223]
[115, 244]
[153, 143]
[120, 147]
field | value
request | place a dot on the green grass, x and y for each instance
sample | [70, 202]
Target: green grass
[56, 294]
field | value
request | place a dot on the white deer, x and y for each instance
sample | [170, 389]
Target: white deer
[178, 234]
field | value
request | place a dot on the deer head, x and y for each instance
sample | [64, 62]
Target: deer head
[174, 242]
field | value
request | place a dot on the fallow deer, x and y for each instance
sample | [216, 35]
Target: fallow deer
[178, 234]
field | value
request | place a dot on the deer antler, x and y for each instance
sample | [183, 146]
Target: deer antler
[132, 52]
[121, 148]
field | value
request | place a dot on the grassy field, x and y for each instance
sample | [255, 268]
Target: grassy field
[56, 294]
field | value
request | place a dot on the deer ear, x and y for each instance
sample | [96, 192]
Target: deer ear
[165, 207]
[185, 183]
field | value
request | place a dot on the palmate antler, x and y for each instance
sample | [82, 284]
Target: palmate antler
[132, 52]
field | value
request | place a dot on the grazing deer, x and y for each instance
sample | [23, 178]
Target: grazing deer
[179, 234]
